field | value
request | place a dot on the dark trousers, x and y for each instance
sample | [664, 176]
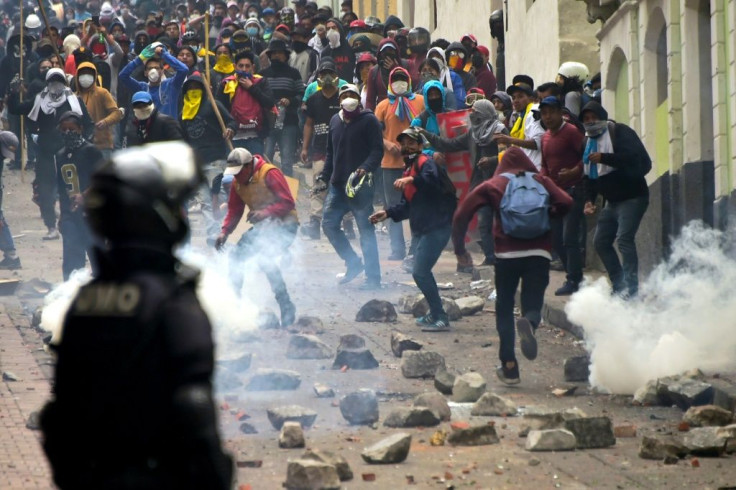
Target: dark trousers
[620, 221]
[485, 229]
[254, 145]
[533, 272]
[428, 251]
[337, 205]
[266, 242]
[76, 241]
[44, 186]
[286, 138]
[392, 197]
[566, 236]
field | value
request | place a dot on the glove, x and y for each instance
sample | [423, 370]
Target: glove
[147, 52]
[220, 241]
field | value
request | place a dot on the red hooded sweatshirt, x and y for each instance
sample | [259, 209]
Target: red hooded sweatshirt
[490, 192]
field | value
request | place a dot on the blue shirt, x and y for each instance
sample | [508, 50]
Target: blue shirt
[166, 95]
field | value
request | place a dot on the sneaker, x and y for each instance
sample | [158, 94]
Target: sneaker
[369, 285]
[10, 264]
[526, 338]
[442, 324]
[567, 289]
[509, 376]
[353, 271]
[53, 234]
[396, 257]
[425, 320]
[408, 264]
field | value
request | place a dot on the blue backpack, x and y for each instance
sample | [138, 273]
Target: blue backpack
[524, 207]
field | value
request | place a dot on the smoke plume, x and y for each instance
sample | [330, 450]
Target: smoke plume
[683, 318]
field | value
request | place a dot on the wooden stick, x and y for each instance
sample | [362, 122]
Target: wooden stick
[23, 149]
[48, 26]
[207, 87]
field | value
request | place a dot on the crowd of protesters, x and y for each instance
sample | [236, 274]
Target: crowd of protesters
[356, 100]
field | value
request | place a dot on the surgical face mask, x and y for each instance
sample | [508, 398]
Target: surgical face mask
[435, 105]
[86, 80]
[143, 113]
[252, 31]
[72, 139]
[327, 81]
[349, 104]
[56, 90]
[334, 38]
[400, 87]
[154, 75]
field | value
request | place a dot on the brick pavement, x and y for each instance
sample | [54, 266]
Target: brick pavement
[22, 461]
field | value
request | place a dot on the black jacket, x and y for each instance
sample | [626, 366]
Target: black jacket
[465, 142]
[159, 127]
[74, 172]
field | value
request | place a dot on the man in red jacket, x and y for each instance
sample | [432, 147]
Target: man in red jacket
[525, 260]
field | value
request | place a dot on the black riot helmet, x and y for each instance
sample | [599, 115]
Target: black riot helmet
[139, 195]
[419, 40]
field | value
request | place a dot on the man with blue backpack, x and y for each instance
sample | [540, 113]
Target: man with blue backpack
[523, 203]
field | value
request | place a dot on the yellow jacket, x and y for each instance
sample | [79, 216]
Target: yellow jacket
[101, 107]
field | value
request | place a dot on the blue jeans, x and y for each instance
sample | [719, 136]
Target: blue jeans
[428, 251]
[620, 221]
[566, 236]
[287, 139]
[392, 197]
[337, 205]
[76, 242]
[533, 272]
[254, 145]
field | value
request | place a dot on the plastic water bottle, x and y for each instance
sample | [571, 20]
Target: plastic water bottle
[280, 117]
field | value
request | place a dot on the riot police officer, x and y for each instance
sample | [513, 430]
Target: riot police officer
[133, 392]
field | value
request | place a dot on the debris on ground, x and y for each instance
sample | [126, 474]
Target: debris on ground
[391, 450]
[468, 387]
[278, 416]
[401, 342]
[291, 436]
[377, 310]
[360, 407]
[421, 364]
[274, 380]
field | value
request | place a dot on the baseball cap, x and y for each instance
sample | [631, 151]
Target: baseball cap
[327, 64]
[483, 50]
[236, 160]
[520, 85]
[141, 98]
[349, 87]
[411, 132]
[551, 101]
[232, 3]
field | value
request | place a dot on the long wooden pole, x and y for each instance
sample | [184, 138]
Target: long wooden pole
[23, 155]
[48, 26]
[207, 87]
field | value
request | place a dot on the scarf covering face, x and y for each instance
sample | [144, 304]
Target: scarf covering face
[192, 101]
[599, 140]
[44, 103]
[224, 65]
[400, 103]
[484, 122]
[518, 130]
[445, 76]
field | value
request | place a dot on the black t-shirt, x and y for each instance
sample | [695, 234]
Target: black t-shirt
[74, 172]
[321, 109]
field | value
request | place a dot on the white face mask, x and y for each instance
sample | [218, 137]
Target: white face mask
[334, 37]
[154, 76]
[86, 80]
[350, 104]
[143, 113]
[56, 90]
[400, 88]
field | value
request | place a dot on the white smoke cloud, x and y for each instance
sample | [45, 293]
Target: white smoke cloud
[683, 318]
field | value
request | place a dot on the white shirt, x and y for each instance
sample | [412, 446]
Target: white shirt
[533, 130]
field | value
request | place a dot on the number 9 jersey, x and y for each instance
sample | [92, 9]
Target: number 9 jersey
[74, 168]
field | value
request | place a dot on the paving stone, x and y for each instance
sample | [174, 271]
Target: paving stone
[435, 402]
[341, 465]
[403, 417]
[550, 440]
[391, 450]
[577, 369]
[421, 364]
[274, 380]
[592, 432]
[310, 324]
[451, 308]
[247, 428]
[307, 347]
[684, 392]
[377, 310]
[360, 407]
[648, 394]
[626, 430]
[351, 341]
[468, 388]
[482, 435]
[401, 343]
[355, 359]
[706, 441]
[470, 305]
[444, 381]
[707, 416]
[236, 364]
[724, 394]
[542, 418]
[408, 302]
[292, 436]
[309, 474]
[323, 391]
[291, 413]
[658, 447]
[492, 405]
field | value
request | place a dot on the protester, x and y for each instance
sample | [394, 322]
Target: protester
[148, 124]
[526, 130]
[101, 107]
[8, 145]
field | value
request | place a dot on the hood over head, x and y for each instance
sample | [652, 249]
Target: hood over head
[503, 97]
[425, 90]
[514, 160]
[387, 43]
[85, 65]
[194, 77]
[456, 47]
[596, 109]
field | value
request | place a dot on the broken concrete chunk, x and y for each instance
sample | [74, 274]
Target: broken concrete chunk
[421, 364]
[355, 359]
[444, 381]
[310, 324]
[273, 380]
[435, 402]
[724, 394]
[592, 432]
[401, 343]
[707, 416]
[351, 341]
[550, 440]
[34, 421]
[706, 441]
[684, 392]
[492, 405]
[470, 305]
[377, 310]
[661, 446]
[647, 394]
[468, 388]
[292, 435]
[237, 364]
[323, 391]
[341, 465]
[408, 302]
[412, 417]
[10, 376]
[307, 347]
[309, 474]
[482, 435]
[540, 418]
[451, 308]
[577, 369]
[360, 407]
[391, 450]
[291, 413]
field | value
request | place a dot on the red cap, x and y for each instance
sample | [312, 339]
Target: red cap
[476, 90]
[366, 56]
[471, 37]
[483, 50]
[358, 23]
[283, 27]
